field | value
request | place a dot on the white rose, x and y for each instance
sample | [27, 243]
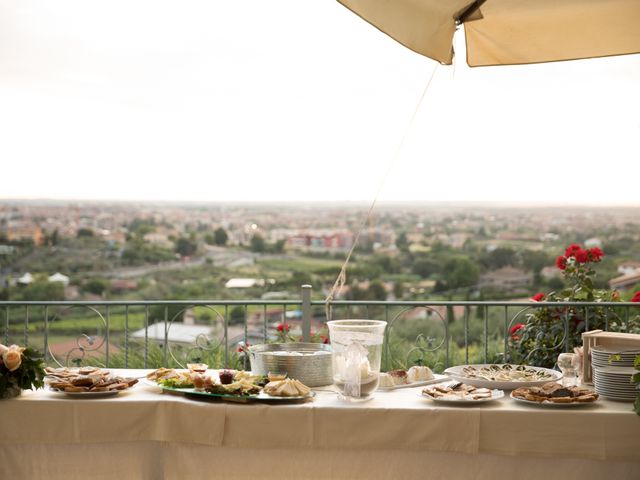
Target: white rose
[12, 359]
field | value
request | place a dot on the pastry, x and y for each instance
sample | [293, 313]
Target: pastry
[287, 388]
[399, 377]
[457, 391]
[555, 393]
[86, 379]
[419, 373]
[385, 380]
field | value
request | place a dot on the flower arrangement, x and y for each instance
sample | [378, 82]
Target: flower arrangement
[283, 331]
[549, 329]
[20, 369]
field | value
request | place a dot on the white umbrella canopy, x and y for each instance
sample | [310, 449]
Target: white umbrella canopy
[508, 32]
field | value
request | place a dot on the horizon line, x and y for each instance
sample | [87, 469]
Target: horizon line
[301, 203]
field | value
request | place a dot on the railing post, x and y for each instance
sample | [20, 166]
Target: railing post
[306, 313]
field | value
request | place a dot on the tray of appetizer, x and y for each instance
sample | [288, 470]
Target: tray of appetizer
[231, 385]
[502, 376]
[86, 382]
[459, 393]
[555, 395]
[416, 376]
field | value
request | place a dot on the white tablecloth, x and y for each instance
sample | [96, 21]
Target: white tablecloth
[396, 435]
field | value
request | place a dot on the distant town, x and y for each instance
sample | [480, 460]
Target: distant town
[90, 250]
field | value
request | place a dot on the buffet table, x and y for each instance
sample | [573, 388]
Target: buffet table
[143, 433]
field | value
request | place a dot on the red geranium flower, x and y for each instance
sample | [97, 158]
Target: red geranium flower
[582, 256]
[636, 297]
[561, 262]
[283, 327]
[572, 250]
[538, 297]
[515, 329]
[325, 339]
[595, 254]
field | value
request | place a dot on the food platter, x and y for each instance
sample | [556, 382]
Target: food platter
[551, 404]
[108, 393]
[438, 378]
[230, 385]
[86, 382]
[259, 397]
[495, 395]
[502, 376]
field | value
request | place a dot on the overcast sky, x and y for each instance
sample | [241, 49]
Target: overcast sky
[251, 100]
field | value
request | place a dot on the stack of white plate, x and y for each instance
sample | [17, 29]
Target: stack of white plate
[612, 356]
[612, 371]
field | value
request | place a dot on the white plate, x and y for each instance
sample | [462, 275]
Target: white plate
[616, 386]
[457, 374]
[552, 404]
[614, 371]
[261, 397]
[622, 398]
[599, 349]
[109, 393]
[495, 395]
[437, 378]
[151, 383]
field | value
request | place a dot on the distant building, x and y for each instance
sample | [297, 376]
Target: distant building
[625, 281]
[178, 332]
[58, 277]
[7, 249]
[25, 279]
[506, 278]
[120, 286]
[549, 237]
[244, 283]
[320, 240]
[24, 231]
[629, 268]
[592, 242]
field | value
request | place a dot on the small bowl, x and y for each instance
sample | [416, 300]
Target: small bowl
[197, 367]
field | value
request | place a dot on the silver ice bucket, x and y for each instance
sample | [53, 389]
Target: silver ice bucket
[308, 362]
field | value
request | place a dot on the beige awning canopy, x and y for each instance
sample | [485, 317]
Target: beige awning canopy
[508, 32]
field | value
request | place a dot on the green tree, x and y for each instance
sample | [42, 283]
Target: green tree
[535, 260]
[299, 278]
[186, 246]
[97, 286]
[142, 226]
[461, 272]
[398, 290]
[220, 236]
[236, 315]
[257, 244]
[386, 263]
[500, 257]
[278, 247]
[42, 290]
[376, 291]
[402, 243]
[84, 232]
[425, 267]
